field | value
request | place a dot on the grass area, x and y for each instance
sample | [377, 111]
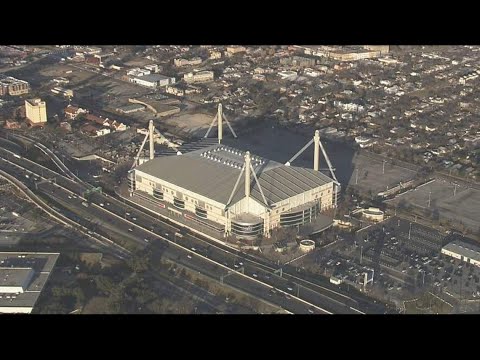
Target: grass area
[427, 304]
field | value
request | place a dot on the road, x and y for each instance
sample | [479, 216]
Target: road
[102, 221]
[123, 218]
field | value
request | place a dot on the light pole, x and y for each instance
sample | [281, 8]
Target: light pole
[410, 231]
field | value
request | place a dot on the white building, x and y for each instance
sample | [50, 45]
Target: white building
[154, 68]
[463, 251]
[198, 77]
[153, 80]
[138, 72]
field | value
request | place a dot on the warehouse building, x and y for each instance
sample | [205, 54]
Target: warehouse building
[463, 251]
[153, 80]
[241, 193]
[22, 278]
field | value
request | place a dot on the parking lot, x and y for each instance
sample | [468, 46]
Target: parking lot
[406, 260]
[448, 201]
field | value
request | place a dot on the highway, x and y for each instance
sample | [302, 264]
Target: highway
[103, 221]
[123, 218]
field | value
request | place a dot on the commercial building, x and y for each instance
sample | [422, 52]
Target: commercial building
[187, 62]
[137, 72]
[346, 53]
[232, 50]
[215, 55]
[463, 251]
[36, 112]
[198, 77]
[174, 90]
[22, 278]
[13, 87]
[153, 80]
[244, 194]
[299, 61]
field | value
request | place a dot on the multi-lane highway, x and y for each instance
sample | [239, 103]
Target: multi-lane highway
[112, 225]
[252, 275]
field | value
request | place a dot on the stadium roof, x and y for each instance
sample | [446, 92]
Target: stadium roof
[213, 171]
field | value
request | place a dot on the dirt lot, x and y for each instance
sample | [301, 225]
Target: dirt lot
[372, 176]
[192, 123]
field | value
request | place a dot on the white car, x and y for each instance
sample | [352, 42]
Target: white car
[189, 256]
[255, 275]
[102, 204]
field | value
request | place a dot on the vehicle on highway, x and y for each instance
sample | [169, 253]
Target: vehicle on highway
[102, 204]
[85, 204]
[255, 275]
[189, 256]
[193, 249]
[146, 240]
[134, 218]
[310, 310]
[130, 229]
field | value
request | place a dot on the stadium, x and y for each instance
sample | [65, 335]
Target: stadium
[244, 194]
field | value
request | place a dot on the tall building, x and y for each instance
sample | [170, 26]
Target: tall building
[36, 112]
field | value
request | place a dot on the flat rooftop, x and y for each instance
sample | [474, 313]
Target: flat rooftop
[213, 171]
[18, 265]
[14, 276]
[464, 249]
[152, 77]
